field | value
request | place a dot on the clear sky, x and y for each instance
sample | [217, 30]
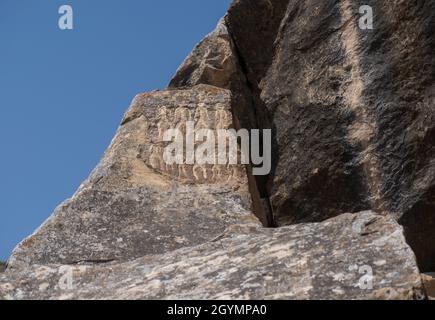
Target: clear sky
[63, 93]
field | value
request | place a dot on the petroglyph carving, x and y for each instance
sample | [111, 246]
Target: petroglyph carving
[222, 118]
[156, 158]
[181, 116]
[202, 118]
[163, 123]
[167, 118]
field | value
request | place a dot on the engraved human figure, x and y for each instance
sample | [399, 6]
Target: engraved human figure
[181, 116]
[183, 171]
[163, 123]
[222, 118]
[202, 175]
[201, 118]
[218, 172]
[156, 158]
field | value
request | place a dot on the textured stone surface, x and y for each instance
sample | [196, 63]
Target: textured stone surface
[2, 266]
[352, 110]
[133, 204]
[352, 113]
[429, 284]
[215, 61]
[310, 261]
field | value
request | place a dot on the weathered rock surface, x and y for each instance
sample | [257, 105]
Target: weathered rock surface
[429, 285]
[352, 113]
[2, 266]
[134, 204]
[352, 110]
[215, 61]
[349, 257]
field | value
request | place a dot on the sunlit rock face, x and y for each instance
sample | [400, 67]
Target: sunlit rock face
[351, 108]
[309, 261]
[135, 204]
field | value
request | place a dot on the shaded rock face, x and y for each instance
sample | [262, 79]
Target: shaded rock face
[310, 261]
[2, 266]
[352, 110]
[134, 204]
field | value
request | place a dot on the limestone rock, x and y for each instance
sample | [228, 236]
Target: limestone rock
[352, 113]
[215, 61]
[429, 285]
[134, 204]
[212, 61]
[348, 257]
[353, 110]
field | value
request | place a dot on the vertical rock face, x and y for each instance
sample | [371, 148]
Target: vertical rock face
[352, 113]
[215, 61]
[429, 285]
[135, 204]
[352, 110]
[2, 266]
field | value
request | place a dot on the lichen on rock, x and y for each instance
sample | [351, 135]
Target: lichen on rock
[351, 188]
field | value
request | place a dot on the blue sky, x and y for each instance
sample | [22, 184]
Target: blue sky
[63, 93]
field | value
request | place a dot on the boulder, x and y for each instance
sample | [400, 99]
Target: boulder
[352, 109]
[348, 257]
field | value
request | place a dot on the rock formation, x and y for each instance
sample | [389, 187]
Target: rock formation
[2, 266]
[429, 285]
[352, 188]
[352, 110]
[134, 204]
[310, 261]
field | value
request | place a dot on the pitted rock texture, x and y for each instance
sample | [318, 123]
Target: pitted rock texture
[429, 285]
[329, 260]
[352, 113]
[134, 204]
[215, 61]
[352, 110]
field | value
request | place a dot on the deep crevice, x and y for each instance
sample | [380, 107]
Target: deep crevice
[419, 227]
[262, 207]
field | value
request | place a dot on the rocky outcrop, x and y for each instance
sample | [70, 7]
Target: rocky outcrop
[134, 204]
[352, 109]
[2, 266]
[349, 257]
[352, 113]
[429, 285]
[215, 61]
